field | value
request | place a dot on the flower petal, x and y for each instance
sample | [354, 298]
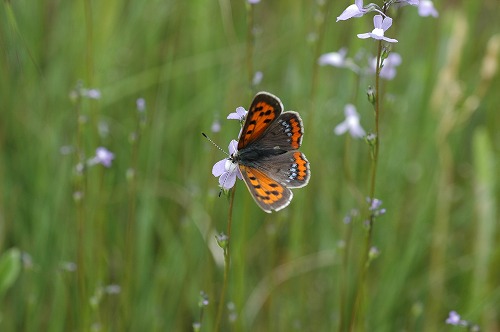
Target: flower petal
[386, 23]
[364, 35]
[233, 147]
[390, 40]
[357, 131]
[227, 180]
[238, 173]
[350, 111]
[335, 59]
[377, 21]
[341, 128]
[351, 11]
[219, 167]
[238, 114]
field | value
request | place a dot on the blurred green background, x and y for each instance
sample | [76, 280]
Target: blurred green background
[131, 247]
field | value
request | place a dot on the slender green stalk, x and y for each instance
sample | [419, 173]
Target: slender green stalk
[369, 236]
[227, 262]
[250, 43]
[344, 277]
[78, 196]
[320, 33]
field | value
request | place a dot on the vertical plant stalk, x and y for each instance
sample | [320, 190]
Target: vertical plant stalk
[250, 42]
[369, 236]
[227, 262]
[344, 277]
[320, 32]
[130, 229]
[82, 312]
[79, 197]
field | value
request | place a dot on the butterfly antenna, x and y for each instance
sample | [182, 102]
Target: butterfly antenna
[215, 144]
[227, 154]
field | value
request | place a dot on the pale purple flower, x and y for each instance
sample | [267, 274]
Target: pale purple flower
[426, 8]
[336, 59]
[388, 70]
[141, 104]
[412, 2]
[374, 252]
[381, 25]
[226, 169]
[102, 156]
[454, 319]
[113, 289]
[91, 93]
[355, 10]
[351, 123]
[374, 203]
[215, 126]
[257, 78]
[239, 114]
[253, 2]
[358, 10]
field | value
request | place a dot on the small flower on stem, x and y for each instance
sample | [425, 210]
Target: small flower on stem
[373, 253]
[374, 207]
[351, 123]
[381, 25]
[239, 114]
[227, 170]
[454, 319]
[91, 93]
[355, 10]
[215, 128]
[102, 156]
[141, 104]
[203, 301]
[222, 240]
[426, 8]
[257, 78]
[389, 65]
[336, 59]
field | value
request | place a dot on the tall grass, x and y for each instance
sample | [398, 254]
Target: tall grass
[131, 246]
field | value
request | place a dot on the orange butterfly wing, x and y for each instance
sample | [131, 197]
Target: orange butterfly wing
[264, 110]
[269, 194]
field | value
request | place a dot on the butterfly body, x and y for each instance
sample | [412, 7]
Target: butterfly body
[267, 154]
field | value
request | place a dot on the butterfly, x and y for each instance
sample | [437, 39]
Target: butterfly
[267, 153]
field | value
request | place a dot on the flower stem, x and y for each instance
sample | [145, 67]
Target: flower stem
[250, 43]
[227, 262]
[320, 34]
[368, 243]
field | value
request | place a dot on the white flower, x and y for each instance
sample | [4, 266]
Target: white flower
[426, 8]
[381, 25]
[351, 123]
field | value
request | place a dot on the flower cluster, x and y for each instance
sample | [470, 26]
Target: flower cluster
[102, 156]
[388, 62]
[455, 319]
[374, 206]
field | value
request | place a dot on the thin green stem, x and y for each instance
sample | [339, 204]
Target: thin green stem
[320, 33]
[250, 43]
[79, 197]
[345, 277]
[369, 236]
[227, 262]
